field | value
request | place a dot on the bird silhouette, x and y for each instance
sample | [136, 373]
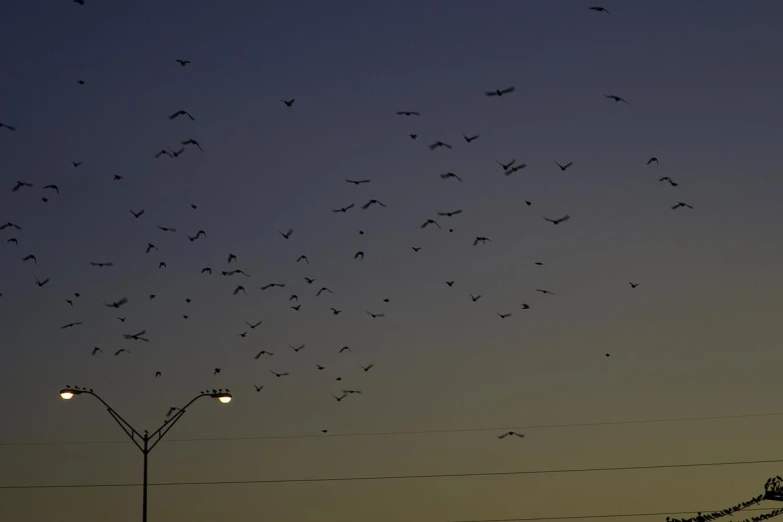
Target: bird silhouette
[96, 350]
[359, 255]
[508, 165]
[408, 113]
[10, 225]
[368, 367]
[198, 235]
[525, 306]
[283, 374]
[80, 82]
[415, 249]
[503, 316]
[474, 298]
[599, 9]
[481, 239]
[162, 152]
[166, 229]
[70, 325]
[296, 308]
[371, 203]
[162, 264]
[216, 371]
[258, 388]
[633, 285]
[179, 113]
[340, 398]
[680, 204]
[343, 209]
[429, 222]
[344, 349]
[231, 257]
[652, 160]
[273, 285]
[182, 63]
[450, 214]
[41, 283]
[288, 103]
[158, 374]
[263, 352]
[374, 316]
[297, 349]
[150, 247]
[335, 311]
[206, 270]
[287, 235]
[468, 139]
[13, 240]
[511, 433]
[544, 291]
[242, 335]
[439, 144]
[21, 184]
[117, 304]
[500, 92]
[176, 153]
[357, 182]
[117, 177]
[670, 180]
[309, 280]
[6, 126]
[447, 175]
[564, 167]
[323, 289]
[617, 99]
[515, 168]
[303, 258]
[319, 367]
[238, 289]
[413, 136]
[52, 187]
[558, 220]
[450, 283]
[137, 336]
[32, 258]
[121, 350]
[254, 326]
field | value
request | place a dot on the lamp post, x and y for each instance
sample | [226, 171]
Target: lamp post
[147, 441]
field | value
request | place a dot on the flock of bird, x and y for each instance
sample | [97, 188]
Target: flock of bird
[15, 232]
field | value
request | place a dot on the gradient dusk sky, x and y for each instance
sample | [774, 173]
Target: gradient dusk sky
[699, 337]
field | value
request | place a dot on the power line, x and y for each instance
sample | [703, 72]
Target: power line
[403, 477]
[605, 515]
[409, 432]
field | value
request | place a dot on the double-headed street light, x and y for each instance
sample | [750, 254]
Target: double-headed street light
[147, 441]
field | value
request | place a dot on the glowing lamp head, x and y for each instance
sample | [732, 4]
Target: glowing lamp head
[67, 394]
[224, 398]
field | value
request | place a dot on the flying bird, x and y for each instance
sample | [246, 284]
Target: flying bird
[335, 311]
[167, 229]
[181, 113]
[231, 257]
[344, 209]
[564, 167]
[96, 350]
[544, 291]
[359, 255]
[20, 184]
[447, 175]
[525, 306]
[162, 152]
[344, 349]
[41, 283]
[11, 225]
[150, 247]
[288, 103]
[481, 239]
[670, 180]
[137, 337]
[372, 202]
[450, 283]
[599, 9]
[617, 99]
[408, 113]
[340, 398]
[162, 264]
[500, 92]
[263, 352]
[158, 374]
[206, 270]
[80, 82]
[296, 308]
[284, 374]
[5, 125]
[503, 316]
[258, 388]
[450, 214]
[198, 235]
[309, 280]
[652, 160]
[468, 139]
[238, 289]
[680, 204]
[215, 371]
[13, 240]
[273, 285]
[429, 222]
[438, 144]
[70, 325]
[357, 182]
[515, 168]
[374, 316]
[506, 166]
[303, 258]
[182, 63]
[287, 234]
[121, 350]
[101, 264]
[633, 285]
[254, 326]
[558, 220]
[413, 136]
[53, 187]
[323, 289]
[510, 433]
[176, 153]
[32, 258]
[415, 249]
[297, 349]
[117, 304]
[367, 368]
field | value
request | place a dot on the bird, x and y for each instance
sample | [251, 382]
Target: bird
[6, 126]
[150, 247]
[81, 82]
[343, 209]
[670, 180]
[372, 202]
[206, 270]
[515, 168]
[323, 289]
[303, 258]
[216, 371]
[564, 167]
[166, 229]
[162, 152]
[117, 304]
[447, 175]
[374, 316]
[413, 136]
[122, 319]
[296, 308]
[182, 63]
[10, 225]
[96, 350]
[558, 220]
[13, 240]
[503, 316]
[438, 144]
[179, 113]
[344, 349]
[359, 255]
[283, 374]
[367, 368]
[69, 302]
[41, 283]
[297, 348]
[52, 187]
[198, 235]
[468, 139]
[32, 258]
[451, 213]
[137, 337]
[429, 222]
[450, 283]
[309, 280]
[408, 113]
[525, 306]
[158, 374]
[273, 285]
[335, 311]
[652, 160]
[506, 166]
[254, 326]
[544, 291]
[258, 388]
[680, 204]
[121, 350]
[357, 182]
[232, 272]
[231, 257]
[70, 325]
[474, 298]
[238, 289]
[162, 264]
[263, 352]
[319, 367]
[176, 153]
[599, 9]
[101, 264]
[340, 398]
[117, 177]
[500, 92]
[633, 285]
[20, 184]
[287, 235]
[481, 239]
[415, 249]
[288, 103]
[242, 335]
[509, 433]
[617, 99]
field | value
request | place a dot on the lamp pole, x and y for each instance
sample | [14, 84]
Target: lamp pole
[146, 442]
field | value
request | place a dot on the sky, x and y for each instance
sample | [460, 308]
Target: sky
[698, 337]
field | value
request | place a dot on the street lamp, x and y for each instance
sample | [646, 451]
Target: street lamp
[147, 441]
